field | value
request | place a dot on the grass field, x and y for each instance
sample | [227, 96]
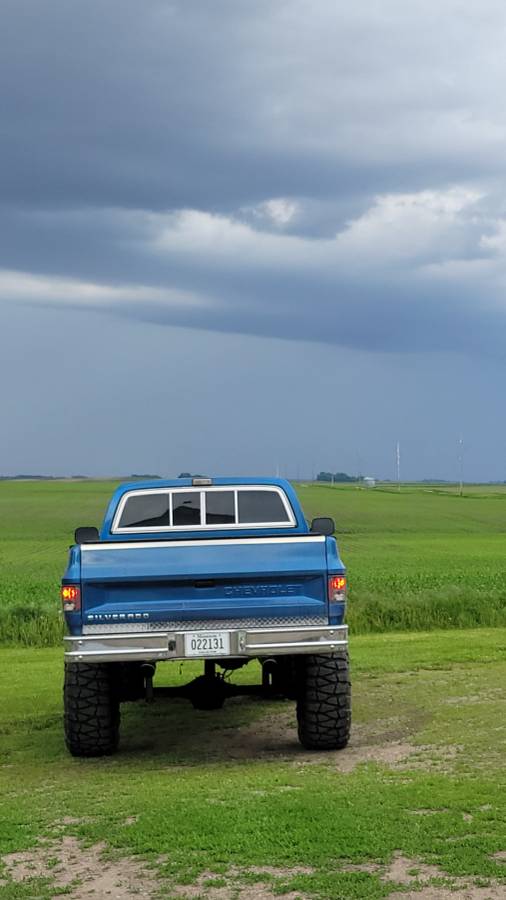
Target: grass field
[227, 805]
[422, 558]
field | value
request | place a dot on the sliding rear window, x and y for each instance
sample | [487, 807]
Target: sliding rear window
[261, 506]
[186, 509]
[210, 508]
[220, 507]
[146, 511]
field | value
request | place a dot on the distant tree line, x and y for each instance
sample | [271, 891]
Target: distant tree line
[144, 476]
[334, 477]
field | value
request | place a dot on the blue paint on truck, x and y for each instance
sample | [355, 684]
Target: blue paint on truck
[221, 569]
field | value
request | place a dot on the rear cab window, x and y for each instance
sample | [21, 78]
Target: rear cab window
[166, 509]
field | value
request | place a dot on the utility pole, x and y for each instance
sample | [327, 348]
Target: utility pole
[398, 462]
[461, 466]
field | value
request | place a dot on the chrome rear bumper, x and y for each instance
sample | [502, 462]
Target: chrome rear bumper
[248, 642]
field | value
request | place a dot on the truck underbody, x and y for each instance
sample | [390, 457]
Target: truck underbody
[318, 683]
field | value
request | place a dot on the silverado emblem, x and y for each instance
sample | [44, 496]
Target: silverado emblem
[117, 617]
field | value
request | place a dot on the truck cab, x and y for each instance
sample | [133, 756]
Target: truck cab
[222, 570]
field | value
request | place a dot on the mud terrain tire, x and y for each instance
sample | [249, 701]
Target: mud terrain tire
[91, 709]
[324, 701]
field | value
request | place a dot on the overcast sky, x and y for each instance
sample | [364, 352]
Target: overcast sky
[248, 235]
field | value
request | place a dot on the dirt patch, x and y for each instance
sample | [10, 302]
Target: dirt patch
[406, 871]
[462, 701]
[488, 696]
[427, 812]
[278, 735]
[88, 875]
[500, 856]
[275, 737]
[459, 892]
[229, 886]
[435, 757]
[82, 870]
[401, 869]
[370, 868]
[390, 755]
[417, 875]
[252, 892]
[270, 734]
[71, 820]
[275, 871]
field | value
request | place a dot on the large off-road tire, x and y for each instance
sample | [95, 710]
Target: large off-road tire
[91, 707]
[324, 701]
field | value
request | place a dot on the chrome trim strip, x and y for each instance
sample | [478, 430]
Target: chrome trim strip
[299, 645]
[218, 542]
[154, 635]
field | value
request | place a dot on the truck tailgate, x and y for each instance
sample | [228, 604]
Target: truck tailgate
[147, 584]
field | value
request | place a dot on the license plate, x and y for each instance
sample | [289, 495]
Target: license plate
[207, 643]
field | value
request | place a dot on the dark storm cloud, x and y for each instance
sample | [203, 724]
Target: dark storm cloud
[275, 168]
[192, 104]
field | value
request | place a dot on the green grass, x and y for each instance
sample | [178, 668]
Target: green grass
[228, 792]
[422, 558]
[211, 799]
[37, 523]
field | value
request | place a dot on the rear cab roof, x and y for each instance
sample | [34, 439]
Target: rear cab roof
[297, 526]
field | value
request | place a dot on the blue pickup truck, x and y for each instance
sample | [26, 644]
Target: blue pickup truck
[219, 570]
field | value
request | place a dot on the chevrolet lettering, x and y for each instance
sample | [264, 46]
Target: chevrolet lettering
[260, 590]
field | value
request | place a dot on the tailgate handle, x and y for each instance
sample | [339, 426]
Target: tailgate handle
[205, 583]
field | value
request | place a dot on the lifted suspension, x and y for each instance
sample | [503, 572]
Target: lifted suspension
[210, 690]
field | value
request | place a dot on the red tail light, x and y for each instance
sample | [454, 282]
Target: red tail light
[337, 588]
[71, 597]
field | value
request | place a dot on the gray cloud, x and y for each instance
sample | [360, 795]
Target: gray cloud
[173, 104]
[140, 140]
[423, 270]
